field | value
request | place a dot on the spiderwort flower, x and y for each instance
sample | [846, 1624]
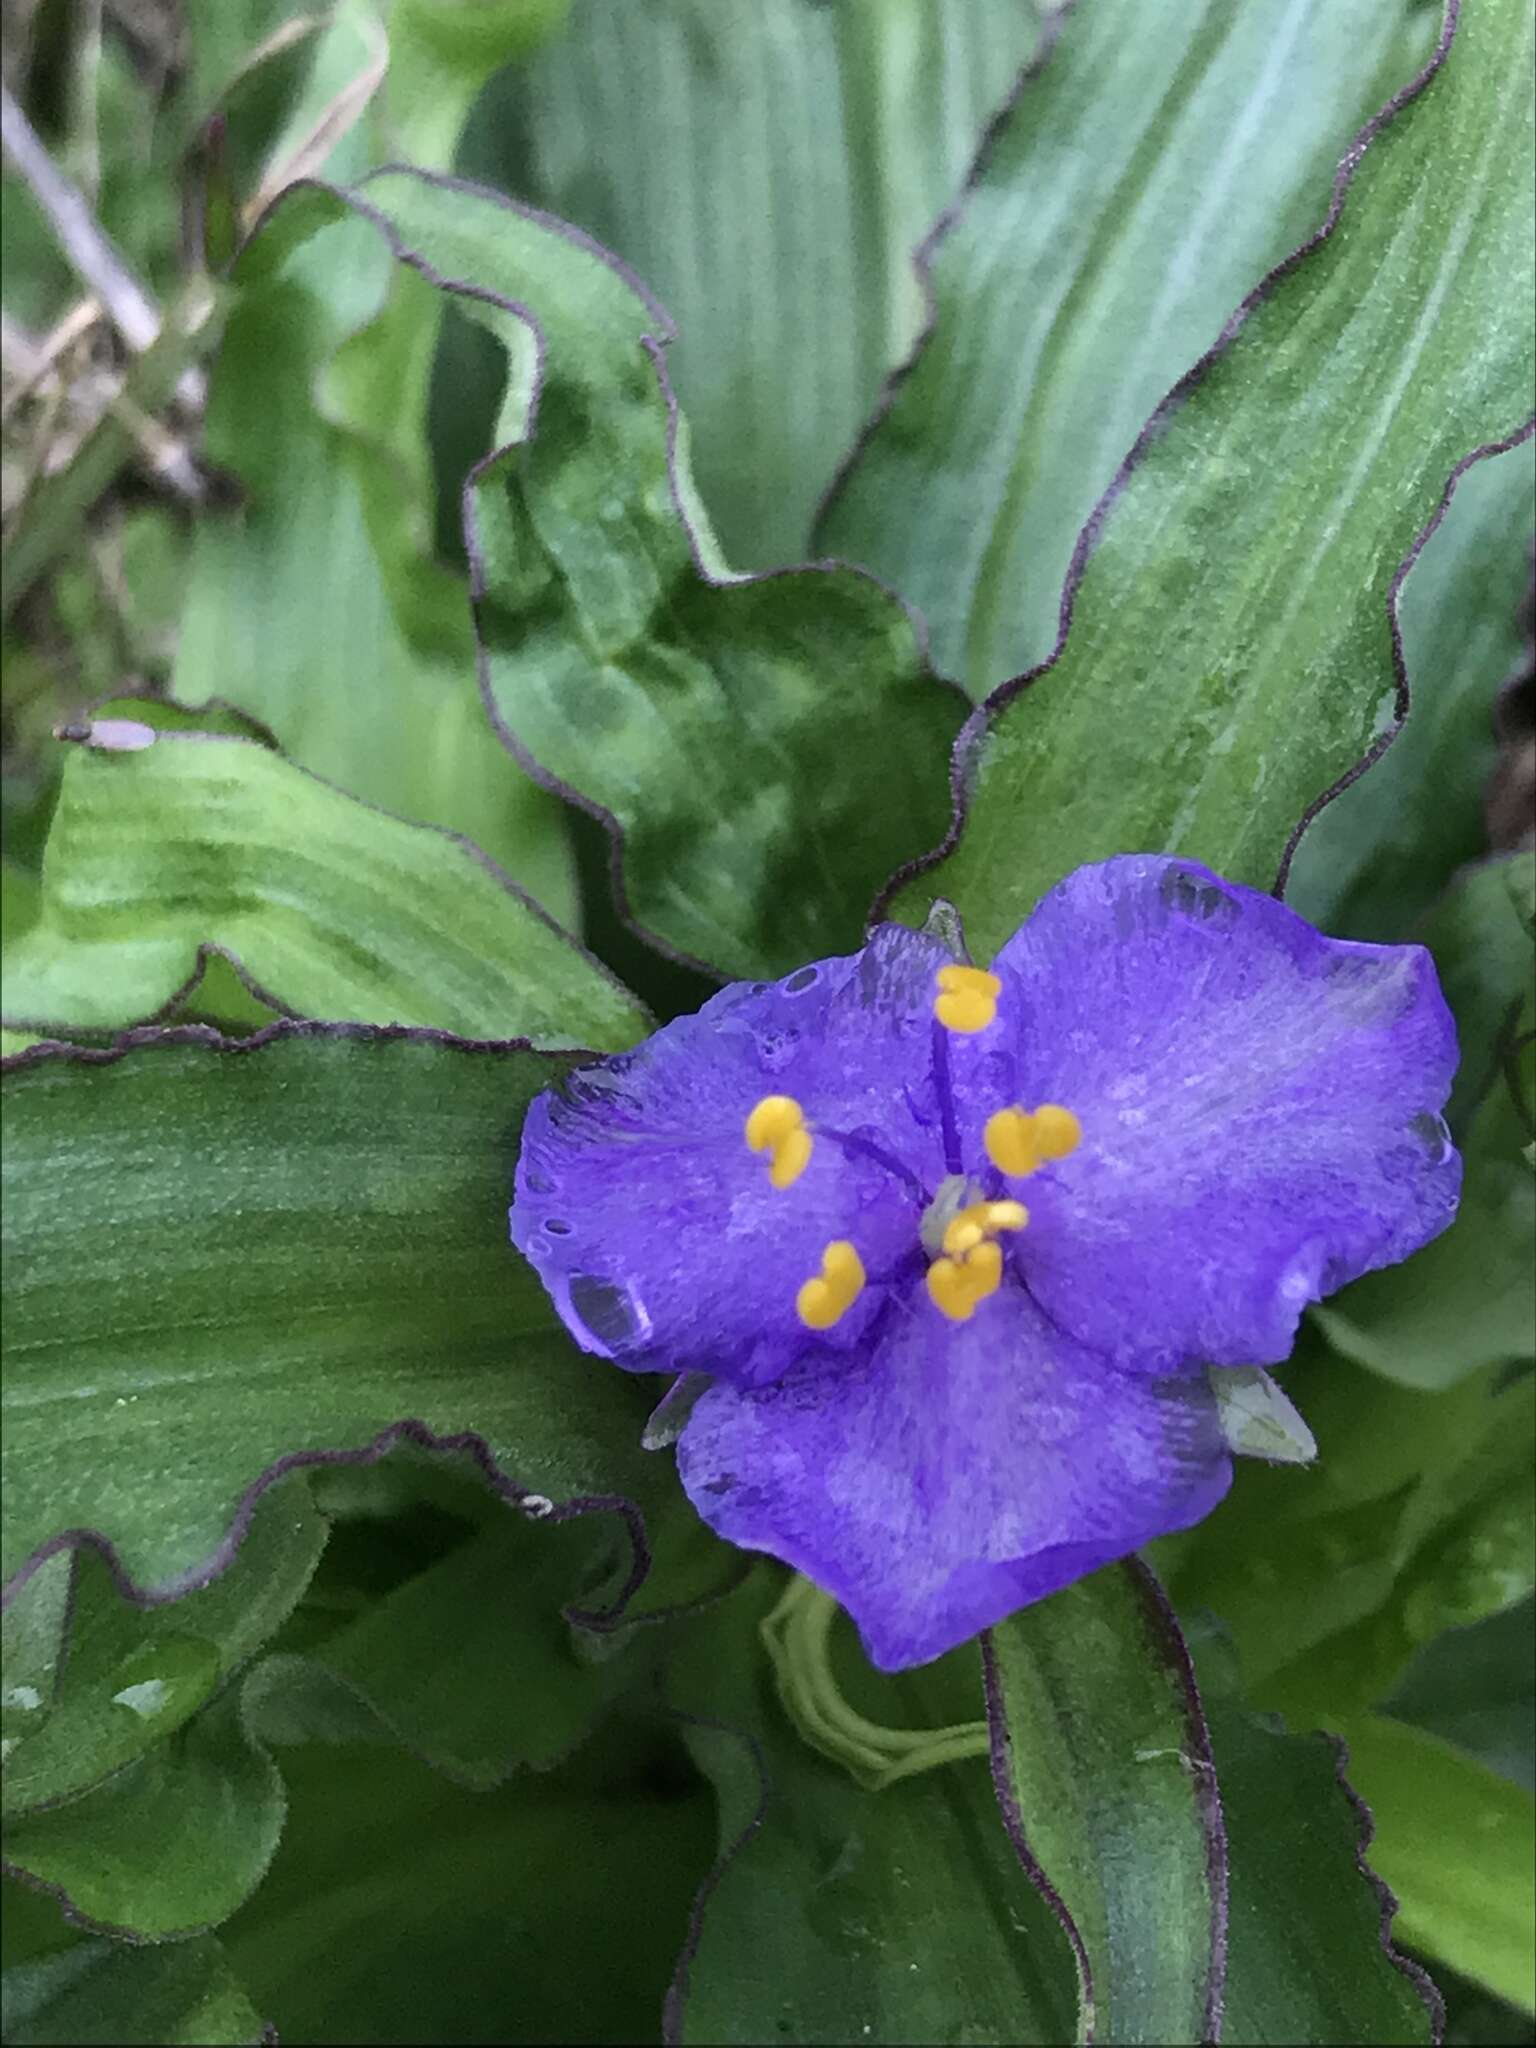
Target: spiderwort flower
[956, 1247]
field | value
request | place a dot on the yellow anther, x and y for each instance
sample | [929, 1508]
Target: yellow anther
[1019, 1143]
[955, 1286]
[791, 1156]
[1006, 1216]
[967, 998]
[972, 1265]
[963, 1235]
[777, 1126]
[772, 1120]
[826, 1299]
[973, 1226]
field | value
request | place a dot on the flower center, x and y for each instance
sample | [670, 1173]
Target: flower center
[960, 1226]
[970, 1265]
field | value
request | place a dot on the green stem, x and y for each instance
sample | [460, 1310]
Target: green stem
[798, 1635]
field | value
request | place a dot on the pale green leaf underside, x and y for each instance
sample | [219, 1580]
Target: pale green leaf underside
[334, 909]
[1457, 1844]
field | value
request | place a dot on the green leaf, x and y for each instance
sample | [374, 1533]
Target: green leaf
[1469, 1299]
[1419, 1516]
[20, 900]
[183, 1995]
[1476, 1688]
[209, 1799]
[769, 170]
[1457, 1844]
[331, 908]
[767, 747]
[317, 606]
[470, 1663]
[1151, 173]
[439, 58]
[224, 1258]
[92, 1680]
[1308, 1931]
[1481, 934]
[1229, 657]
[403, 1908]
[1378, 855]
[1110, 1780]
[843, 1914]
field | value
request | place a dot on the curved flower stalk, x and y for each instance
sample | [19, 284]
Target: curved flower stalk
[957, 1247]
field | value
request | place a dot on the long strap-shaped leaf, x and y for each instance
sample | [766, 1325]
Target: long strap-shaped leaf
[1228, 653]
[227, 1258]
[1103, 1768]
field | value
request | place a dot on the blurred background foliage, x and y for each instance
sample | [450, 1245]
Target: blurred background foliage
[246, 482]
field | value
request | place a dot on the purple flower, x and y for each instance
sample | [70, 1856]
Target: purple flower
[956, 1249]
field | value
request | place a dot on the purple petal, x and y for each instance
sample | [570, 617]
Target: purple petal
[657, 1231]
[1260, 1109]
[954, 1472]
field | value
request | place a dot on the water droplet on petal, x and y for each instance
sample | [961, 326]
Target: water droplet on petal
[609, 1313]
[802, 979]
[537, 1506]
[1194, 897]
[1432, 1134]
[557, 1226]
